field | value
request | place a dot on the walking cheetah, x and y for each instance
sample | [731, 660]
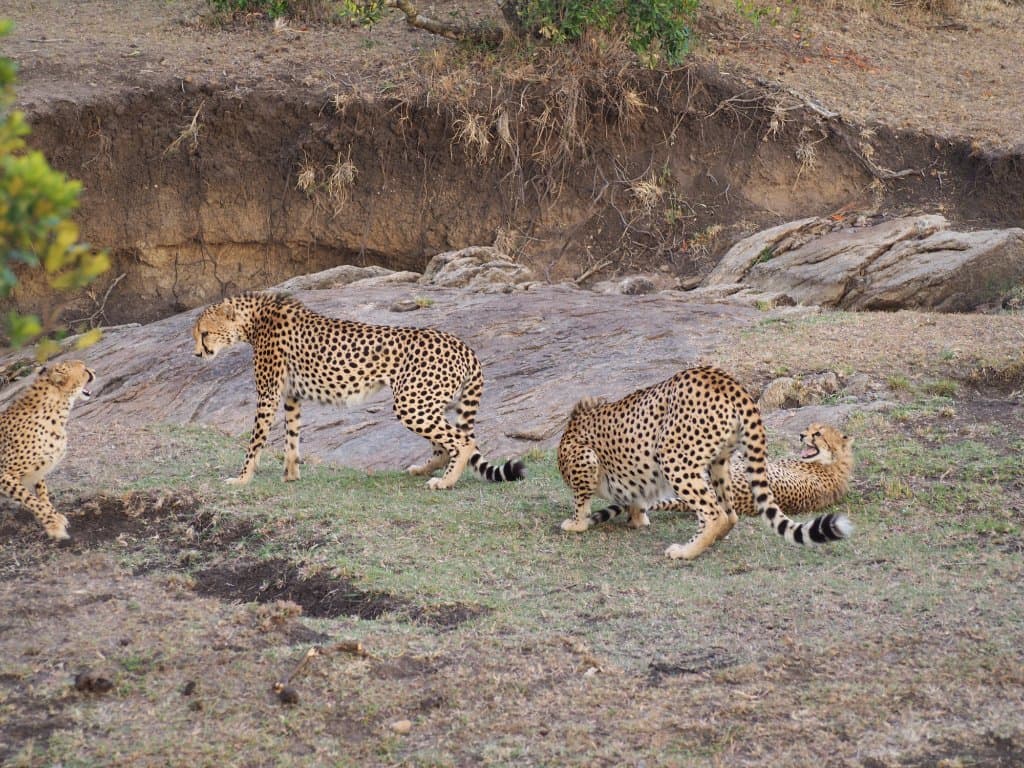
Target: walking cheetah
[653, 449]
[301, 355]
[816, 480]
[33, 439]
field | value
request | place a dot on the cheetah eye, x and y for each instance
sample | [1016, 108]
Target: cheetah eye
[816, 434]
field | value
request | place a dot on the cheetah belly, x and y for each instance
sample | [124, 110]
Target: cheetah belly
[345, 393]
[369, 389]
[643, 492]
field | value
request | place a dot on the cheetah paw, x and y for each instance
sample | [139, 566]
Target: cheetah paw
[682, 552]
[439, 484]
[236, 480]
[417, 470]
[576, 526]
[643, 521]
[57, 530]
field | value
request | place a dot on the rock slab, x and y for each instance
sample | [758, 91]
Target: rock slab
[907, 263]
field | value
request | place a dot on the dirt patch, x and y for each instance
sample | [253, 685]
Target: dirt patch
[319, 595]
[130, 519]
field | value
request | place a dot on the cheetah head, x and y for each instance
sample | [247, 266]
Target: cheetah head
[70, 377]
[825, 445]
[216, 328]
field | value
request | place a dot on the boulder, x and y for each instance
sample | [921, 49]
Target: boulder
[907, 263]
[478, 268]
[346, 274]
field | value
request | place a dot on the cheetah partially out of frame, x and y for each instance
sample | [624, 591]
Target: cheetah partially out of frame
[301, 355]
[33, 439]
[815, 480]
[653, 450]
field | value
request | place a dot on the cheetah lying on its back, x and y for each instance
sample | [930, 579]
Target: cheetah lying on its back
[652, 450]
[301, 355]
[33, 439]
[816, 480]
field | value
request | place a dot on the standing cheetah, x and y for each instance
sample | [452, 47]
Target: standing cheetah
[33, 439]
[800, 486]
[301, 355]
[654, 448]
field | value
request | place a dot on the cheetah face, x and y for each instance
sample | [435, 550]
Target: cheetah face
[71, 378]
[823, 444]
[215, 329]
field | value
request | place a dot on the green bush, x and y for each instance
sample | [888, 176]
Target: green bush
[656, 29]
[35, 232]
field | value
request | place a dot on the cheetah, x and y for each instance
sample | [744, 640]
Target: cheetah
[816, 480]
[33, 439]
[301, 355]
[655, 448]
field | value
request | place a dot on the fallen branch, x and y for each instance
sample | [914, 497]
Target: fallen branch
[596, 268]
[283, 688]
[483, 34]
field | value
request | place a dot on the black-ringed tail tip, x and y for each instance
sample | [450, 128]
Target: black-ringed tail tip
[821, 530]
[510, 471]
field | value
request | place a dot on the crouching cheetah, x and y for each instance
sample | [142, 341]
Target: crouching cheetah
[654, 448]
[301, 355]
[33, 439]
[816, 480]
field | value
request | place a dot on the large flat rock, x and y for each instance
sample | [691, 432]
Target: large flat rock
[906, 263]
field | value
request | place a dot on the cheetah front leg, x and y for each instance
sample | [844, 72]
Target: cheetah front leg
[266, 407]
[638, 517]
[292, 424]
[721, 483]
[53, 522]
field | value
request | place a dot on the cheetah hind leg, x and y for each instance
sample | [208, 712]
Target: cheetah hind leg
[456, 466]
[435, 462]
[712, 520]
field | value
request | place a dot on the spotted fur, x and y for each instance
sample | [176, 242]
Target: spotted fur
[655, 449]
[818, 479]
[301, 355]
[33, 439]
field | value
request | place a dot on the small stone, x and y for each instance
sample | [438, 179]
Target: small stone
[406, 305]
[401, 727]
[286, 694]
[90, 683]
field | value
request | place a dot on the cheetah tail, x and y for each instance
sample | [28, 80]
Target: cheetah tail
[498, 473]
[606, 514]
[821, 530]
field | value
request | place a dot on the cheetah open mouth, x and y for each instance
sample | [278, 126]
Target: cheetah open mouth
[809, 452]
[86, 394]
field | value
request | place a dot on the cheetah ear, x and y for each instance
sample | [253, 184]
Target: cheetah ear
[228, 310]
